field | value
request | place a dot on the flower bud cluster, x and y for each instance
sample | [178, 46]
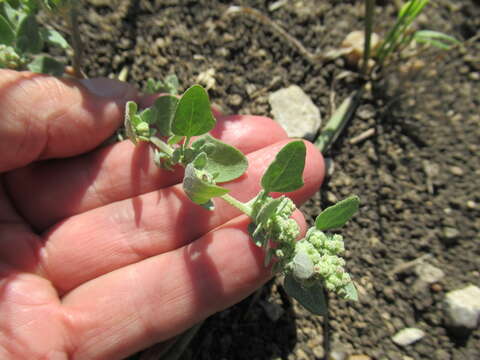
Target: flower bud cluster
[323, 258]
[280, 226]
[9, 59]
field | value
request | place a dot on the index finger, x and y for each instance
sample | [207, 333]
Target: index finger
[47, 117]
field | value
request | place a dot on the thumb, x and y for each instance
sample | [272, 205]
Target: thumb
[46, 117]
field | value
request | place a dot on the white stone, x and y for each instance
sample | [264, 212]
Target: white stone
[429, 273]
[295, 112]
[463, 307]
[408, 336]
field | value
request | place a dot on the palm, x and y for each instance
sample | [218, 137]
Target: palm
[118, 258]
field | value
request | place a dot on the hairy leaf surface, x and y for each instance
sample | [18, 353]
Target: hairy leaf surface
[285, 173]
[193, 115]
[311, 298]
[337, 215]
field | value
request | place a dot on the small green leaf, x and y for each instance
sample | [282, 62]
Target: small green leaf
[193, 115]
[147, 115]
[171, 82]
[130, 121]
[311, 298]
[285, 173]
[28, 36]
[435, 38]
[267, 210]
[200, 161]
[351, 292]
[199, 190]
[53, 37]
[174, 139]
[46, 65]
[7, 35]
[223, 159]
[337, 215]
[13, 3]
[164, 109]
[151, 87]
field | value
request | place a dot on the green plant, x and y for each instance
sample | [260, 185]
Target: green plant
[309, 265]
[401, 35]
[22, 38]
[169, 85]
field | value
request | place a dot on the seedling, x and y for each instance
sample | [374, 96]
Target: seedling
[400, 36]
[22, 38]
[310, 264]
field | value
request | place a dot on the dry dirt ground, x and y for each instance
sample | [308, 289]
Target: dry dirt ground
[418, 177]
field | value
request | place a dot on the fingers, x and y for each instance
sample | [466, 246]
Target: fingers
[45, 117]
[104, 239]
[155, 299]
[67, 187]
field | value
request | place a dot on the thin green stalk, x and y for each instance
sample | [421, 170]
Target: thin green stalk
[369, 14]
[337, 122]
[76, 41]
[238, 204]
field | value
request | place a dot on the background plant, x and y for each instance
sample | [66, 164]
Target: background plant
[23, 39]
[401, 34]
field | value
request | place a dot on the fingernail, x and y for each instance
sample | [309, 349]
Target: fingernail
[109, 88]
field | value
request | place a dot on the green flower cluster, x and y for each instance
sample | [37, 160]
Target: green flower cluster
[9, 59]
[322, 251]
[315, 258]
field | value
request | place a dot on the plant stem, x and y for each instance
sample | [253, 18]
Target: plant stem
[76, 41]
[337, 121]
[238, 204]
[161, 145]
[369, 13]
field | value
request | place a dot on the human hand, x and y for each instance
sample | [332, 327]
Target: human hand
[101, 253]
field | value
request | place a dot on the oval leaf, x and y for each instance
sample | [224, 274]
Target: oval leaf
[193, 115]
[198, 190]
[164, 109]
[28, 36]
[285, 173]
[53, 37]
[223, 159]
[337, 215]
[7, 35]
[311, 298]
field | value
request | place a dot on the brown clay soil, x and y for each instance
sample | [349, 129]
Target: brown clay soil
[418, 176]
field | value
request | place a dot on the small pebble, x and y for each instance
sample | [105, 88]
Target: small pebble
[456, 170]
[471, 204]
[408, 336]
[463, 308]
[450, 233]
[359, 357]
[474, 76]
[234, 100]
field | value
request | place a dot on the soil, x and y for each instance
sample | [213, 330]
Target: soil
[418, 176]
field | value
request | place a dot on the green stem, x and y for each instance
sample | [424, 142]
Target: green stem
[161, 145]
[337, 121]
[238, 204]
[369, 12]
[76, 41]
